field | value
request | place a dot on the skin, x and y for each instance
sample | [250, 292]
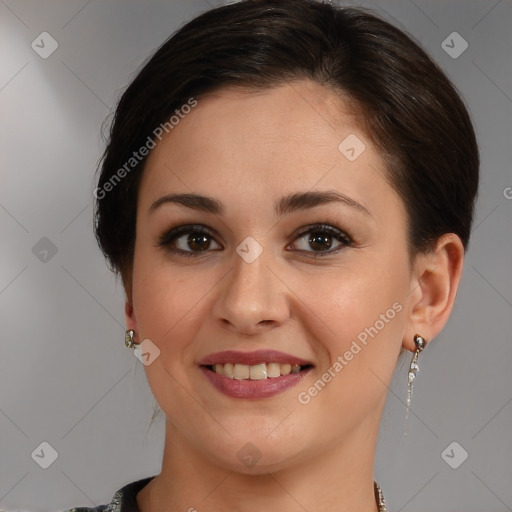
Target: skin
[248, 149]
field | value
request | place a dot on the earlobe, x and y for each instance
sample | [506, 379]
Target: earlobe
[129, 315]
[434, 287]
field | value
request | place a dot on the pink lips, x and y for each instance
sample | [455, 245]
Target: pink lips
[250, 358]
[252, 389]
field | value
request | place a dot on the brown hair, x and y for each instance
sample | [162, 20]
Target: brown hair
[409, 108]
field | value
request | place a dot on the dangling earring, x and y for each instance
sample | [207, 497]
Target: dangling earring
[420, 343]
[128, 339]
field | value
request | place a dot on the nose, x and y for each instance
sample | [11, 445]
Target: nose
[253, 298]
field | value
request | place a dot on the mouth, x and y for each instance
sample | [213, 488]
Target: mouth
[252, 375]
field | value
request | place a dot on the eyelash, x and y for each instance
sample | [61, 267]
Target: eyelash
[324, 229]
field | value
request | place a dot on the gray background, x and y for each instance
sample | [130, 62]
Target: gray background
[66, 377]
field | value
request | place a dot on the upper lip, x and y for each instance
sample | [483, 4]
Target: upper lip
[252, 358]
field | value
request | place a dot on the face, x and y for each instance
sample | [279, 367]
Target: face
[293, 262]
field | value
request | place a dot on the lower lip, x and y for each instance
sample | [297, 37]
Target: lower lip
[252, 389]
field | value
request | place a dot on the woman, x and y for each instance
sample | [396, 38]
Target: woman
[287, 194]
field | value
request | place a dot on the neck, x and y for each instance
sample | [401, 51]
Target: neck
[340, 479]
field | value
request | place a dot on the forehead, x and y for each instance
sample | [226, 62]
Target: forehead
[236, 141]
[301, 110]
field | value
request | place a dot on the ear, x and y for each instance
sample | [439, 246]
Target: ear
[129, 315]
[435, 279]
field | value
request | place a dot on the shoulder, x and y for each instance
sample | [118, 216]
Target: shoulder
[124, 500]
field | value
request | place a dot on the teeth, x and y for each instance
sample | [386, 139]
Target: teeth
[258, 371]
[241, 371]
[286, 369]
[273, 370]
[255, 372]
[228, 370]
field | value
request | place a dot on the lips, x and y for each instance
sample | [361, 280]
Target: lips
[257, 374]
[252, 358]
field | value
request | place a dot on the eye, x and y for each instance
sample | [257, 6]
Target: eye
[321, 238]
[192, 240]
[189, 240]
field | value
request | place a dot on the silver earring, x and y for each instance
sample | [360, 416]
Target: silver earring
[128, 339]
[420, 343]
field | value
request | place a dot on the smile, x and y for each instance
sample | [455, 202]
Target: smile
[252, 375]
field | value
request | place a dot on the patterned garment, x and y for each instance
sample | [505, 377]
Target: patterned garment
[124, 500]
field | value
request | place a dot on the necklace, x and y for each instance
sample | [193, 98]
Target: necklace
[379, 496]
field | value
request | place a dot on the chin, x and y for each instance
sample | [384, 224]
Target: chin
[251, 460]
[256, 452]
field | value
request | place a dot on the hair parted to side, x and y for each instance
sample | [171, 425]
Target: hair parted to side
[408, 107]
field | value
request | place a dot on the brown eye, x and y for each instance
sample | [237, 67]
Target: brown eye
[189, 240]
[198, 242]
[321, 239]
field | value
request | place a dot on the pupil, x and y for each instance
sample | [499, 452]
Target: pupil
[198, 241]
[320, 241]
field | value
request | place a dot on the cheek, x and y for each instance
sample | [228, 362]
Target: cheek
[358, 327]
[353, 297]
[170, 310]
[167, 301]
[332, 305]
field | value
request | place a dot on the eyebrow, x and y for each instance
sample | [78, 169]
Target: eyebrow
[286, 205]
